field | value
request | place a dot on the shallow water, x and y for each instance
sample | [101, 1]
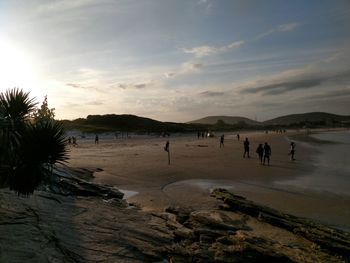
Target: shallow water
[128, 194]
[332, 166]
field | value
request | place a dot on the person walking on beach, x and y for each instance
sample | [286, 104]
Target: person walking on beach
[74, 141]
[237, 136]
[292, 151]
[167, 149]
[96, 139]
[222, 138]
[260, 152]
[267, 153]
[246, 148]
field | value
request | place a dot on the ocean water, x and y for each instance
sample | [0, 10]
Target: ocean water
[332, 166]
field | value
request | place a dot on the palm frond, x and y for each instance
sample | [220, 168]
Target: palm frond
[16, 105]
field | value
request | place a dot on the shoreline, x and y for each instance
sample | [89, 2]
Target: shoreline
[140, 165]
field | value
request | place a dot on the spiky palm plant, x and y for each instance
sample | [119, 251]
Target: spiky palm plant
[41, 146]
[28, 150]
[16, 104]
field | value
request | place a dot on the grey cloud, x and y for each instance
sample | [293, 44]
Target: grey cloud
[79, 86]
[290, 85]
[131, 85]
[94, 103]
[211, 93]
[122, 86]
[170, 74]
[73, 85]
[140, 86]
[333, 94]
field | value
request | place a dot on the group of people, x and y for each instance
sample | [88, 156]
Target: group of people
[264, 150]
[72, 140]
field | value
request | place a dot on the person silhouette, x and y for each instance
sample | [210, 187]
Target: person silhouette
[267, 153]
[260, 152]
[222, 138]
[246, 148]
[96, 139]
[292, 151]
[237, 136]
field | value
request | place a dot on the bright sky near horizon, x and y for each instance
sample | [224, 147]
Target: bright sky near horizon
[179, 60]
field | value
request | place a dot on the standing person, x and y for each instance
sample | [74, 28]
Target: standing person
[237, 136]
[96, 139]
[267, 153]
[246, 148]
[222, 138]
[166, 148]
[260, 152]
[292, 151]
[198, 134]
[74, 141]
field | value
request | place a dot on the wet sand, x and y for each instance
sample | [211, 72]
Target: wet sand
[197, 165]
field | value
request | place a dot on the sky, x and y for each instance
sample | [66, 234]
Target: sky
[178, 60]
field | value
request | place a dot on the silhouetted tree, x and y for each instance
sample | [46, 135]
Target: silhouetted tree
[44, 113]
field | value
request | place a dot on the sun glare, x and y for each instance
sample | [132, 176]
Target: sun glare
[17, 69]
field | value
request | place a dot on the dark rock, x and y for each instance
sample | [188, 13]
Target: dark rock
[333, 240]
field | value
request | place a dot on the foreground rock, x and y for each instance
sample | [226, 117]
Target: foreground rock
[74, 220]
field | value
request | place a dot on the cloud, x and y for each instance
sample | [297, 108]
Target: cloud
[170, 74]
[211, 93]
[202, 51]
[94, 103]
[279, 29]
[295, 80]
[283, 87]
[73, 85]
[81, 86]
[137, 86]
[333, 94]
[287, 27]
[189, 67]
[140, 85]
[62, 5]
[207, 4]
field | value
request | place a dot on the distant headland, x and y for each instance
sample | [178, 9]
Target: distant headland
[133, 123]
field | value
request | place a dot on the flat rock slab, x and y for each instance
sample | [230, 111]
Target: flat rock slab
[78, 221]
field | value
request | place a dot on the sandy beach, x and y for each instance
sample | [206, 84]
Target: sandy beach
[140, 167]
[171, 216]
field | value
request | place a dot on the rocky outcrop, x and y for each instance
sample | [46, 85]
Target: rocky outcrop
[75, 220]
[334, 241]
[76, 182]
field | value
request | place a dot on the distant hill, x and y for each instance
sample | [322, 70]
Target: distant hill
[124, 122]
[132, 123]
[232, 120]
[321, 118]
